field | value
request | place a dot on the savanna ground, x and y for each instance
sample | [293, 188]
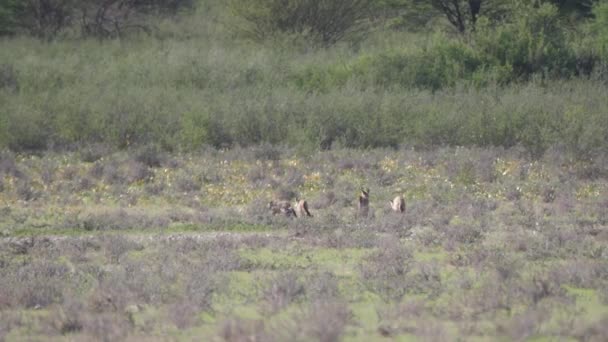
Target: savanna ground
[146, 245]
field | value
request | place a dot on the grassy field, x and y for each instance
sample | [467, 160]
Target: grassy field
[147, 245]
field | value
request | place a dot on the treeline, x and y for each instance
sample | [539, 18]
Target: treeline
[306, 73]
[47, 19]
[498, 40]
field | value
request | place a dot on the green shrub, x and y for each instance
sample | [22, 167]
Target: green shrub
[442, 63]
[533, 42]
[600, 26]
[324, 22]
[321, 78]
[195, 128]
[8, 16]
[584, 131]
[27, 128]
[597, 39]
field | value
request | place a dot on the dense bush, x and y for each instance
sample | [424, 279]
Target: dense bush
[84, 108]
[47, 18]
[501, 85]
[441, 63]
[535, 42]
[325, 22]
[8, 12]
[599, 28]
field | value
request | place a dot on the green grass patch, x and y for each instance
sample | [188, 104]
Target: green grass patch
[173, 229]
[341, 262]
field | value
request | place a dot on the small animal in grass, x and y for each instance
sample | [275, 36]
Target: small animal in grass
[302, 208]
[282, 208]
[398, 204]
[363, 207]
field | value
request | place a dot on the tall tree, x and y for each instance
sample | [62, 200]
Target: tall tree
[456, 12]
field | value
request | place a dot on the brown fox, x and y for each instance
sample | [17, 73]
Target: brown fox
[364, 203]
[282, 207]
[398, 204]
[302, 208]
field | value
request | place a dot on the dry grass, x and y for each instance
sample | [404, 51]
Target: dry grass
[115, 260]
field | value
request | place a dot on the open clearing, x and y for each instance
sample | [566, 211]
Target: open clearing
[492, 246]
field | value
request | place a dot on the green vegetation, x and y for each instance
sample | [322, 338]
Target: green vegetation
[141, 143]
[526, 77]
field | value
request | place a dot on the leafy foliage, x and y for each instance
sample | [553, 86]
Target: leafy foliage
[8, 13]
[45, 19]
[499, 85]
[535, 42]
[325, 22]
[600, 28]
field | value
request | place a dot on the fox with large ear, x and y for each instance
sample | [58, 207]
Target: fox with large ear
[398, 204]
[302, 208]
[363, 203]
[282, 207]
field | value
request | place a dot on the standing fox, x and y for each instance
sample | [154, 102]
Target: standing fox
[398, 204]
[302, 208]
[364, 203]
